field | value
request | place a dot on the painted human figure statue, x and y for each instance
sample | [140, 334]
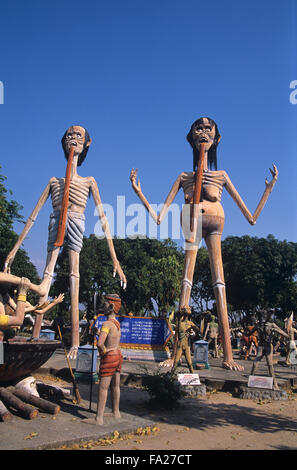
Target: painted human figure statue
[79, 190]
[183, 330]
[266, 331]
[111, 361]
[204, 133]
[211, 335]
[291, 345]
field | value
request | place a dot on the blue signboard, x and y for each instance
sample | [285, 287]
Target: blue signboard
[145, 331]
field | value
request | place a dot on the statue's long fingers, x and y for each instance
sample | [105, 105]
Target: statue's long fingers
[274, 172]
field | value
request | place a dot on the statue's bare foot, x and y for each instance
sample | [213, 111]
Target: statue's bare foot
[93, 421]
[73, 352]
[33, 338]
[167, 363]
[232, 365]
[116, 415]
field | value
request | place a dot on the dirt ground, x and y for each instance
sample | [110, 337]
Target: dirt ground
[217, 421]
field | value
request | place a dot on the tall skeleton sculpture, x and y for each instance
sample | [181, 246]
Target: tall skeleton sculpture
[70, 199]
[209, 215]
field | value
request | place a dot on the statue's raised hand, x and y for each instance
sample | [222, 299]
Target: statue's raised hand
[133, 177]
[59, 299]
[118, 270]
[274, 173]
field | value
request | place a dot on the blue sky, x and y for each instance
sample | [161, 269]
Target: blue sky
[136, 74]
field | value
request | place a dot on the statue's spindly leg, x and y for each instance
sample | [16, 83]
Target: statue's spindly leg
[187, 279]
[115, 394]
[46, 283]
[213, 243]
[74, 293]
[269, 361]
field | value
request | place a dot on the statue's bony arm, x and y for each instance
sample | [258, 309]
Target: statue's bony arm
[252, 218]
[278, 330]
[173, 192]
[105, 227]
[28, 225]
[46, 306]
[268, 188]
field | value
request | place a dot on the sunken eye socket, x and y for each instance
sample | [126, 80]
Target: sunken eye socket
[203, 129]
[69, 136]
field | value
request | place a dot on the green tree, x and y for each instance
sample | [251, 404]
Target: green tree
[153, 270]
[202, 292]
[10, 213]
[260, 273]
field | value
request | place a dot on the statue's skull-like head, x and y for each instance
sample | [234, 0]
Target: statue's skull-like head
[77, 137]
[204, 130]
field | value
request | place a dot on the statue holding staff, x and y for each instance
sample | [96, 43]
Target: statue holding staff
[111, 360]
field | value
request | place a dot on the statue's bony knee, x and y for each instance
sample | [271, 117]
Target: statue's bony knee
[187, 283]
[47, 275]
[218, 284]
[74, 280]
[74, 275]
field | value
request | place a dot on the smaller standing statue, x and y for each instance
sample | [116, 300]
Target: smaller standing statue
[110, 362]
[251, 340]
[266, 332]
[182, 346]
[211, 335]
[291, 345]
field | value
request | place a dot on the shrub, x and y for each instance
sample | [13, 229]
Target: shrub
[163, 388]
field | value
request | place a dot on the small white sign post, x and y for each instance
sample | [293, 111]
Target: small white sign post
[259, 381]
[189, 379]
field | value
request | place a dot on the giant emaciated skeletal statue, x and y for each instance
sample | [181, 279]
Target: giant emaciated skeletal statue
[202, 192]
[69, 197]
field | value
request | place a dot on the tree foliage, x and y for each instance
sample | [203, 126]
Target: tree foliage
[202, 291]
[9, 213]
[259, 273]
[153, 269]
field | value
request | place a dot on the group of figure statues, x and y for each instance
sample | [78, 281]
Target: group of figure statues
[202, 217]
[252, 338]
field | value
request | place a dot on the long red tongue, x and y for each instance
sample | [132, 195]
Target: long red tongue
[63, 214]
[198, 186]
